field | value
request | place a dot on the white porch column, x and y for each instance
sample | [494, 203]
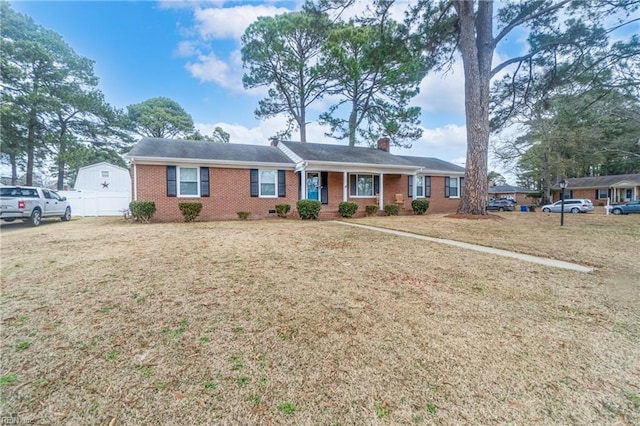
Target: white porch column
[345, 186]
[414, 190]
[303, 182]
[381, 192]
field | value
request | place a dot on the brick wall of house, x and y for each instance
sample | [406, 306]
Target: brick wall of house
[229, 189]
[589, 194]
[393, 184]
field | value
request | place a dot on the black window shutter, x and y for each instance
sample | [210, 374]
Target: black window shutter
[461, 186]
[282, 184]
[204, 181]
[427, 186]
[609, 192]
[353, 185]
[376, 184]
[447, 183]
[410, 181]
[300, 189]
[172, 187]
[324, 187]
[255, 190]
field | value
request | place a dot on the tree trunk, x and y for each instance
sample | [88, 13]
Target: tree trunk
[31, 135]
[476, 49]
[353, 124]
[14, 168]
[303, 128]
[61, 154]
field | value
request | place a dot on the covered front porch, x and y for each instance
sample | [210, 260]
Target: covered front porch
[364, 186]
[624, 191]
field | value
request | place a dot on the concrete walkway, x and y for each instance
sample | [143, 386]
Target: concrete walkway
[526, 257]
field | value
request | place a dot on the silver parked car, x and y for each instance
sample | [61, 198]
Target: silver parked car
[573, 205]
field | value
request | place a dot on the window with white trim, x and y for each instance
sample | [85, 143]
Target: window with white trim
[268, 182]
[603, 193]
[419, 186]
[188, 182]
[451, 187]
[361, 185]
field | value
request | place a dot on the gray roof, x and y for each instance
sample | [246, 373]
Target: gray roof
[601, 181]
[508, 189]
[344, 154]
[431, 163]
[176, 149]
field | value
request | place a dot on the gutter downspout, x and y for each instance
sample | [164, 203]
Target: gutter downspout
[135, 182]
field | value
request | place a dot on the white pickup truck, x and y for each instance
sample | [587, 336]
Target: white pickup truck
[32, 204]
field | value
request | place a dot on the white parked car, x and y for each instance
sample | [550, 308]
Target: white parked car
[573, 205]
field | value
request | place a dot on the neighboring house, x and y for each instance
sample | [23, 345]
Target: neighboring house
[103, 177]
[616, 188]
[520, 195]
[229, 178]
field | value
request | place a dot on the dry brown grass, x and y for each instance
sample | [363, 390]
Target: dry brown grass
[281, 321]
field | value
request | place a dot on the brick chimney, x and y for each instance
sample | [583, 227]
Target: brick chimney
[383, 143]
[273, 141]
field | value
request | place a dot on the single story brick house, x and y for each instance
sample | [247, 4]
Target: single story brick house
[617, 188]
[229, 178]
[520, 195]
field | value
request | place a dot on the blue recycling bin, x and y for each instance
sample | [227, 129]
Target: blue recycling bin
[523, 209]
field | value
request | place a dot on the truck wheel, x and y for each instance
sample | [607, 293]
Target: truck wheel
[67, 215]
[36, 217]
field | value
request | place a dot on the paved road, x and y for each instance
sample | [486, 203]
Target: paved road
[506, 253]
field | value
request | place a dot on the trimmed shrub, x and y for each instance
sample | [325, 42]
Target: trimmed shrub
[283, 209]
[308, 209]
[347, 208]
[190, 211]
[371, 209]
[420, 206]
[142, 211]
[243, 215]
[391, 209]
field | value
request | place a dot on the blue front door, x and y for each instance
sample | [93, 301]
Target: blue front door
[313, 186]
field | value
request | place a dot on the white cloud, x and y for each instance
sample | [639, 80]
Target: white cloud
[230, 22]
[265, 129]
[442, 92]
[208, 68]
[187, 48]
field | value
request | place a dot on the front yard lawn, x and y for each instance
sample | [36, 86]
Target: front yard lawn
[283, 321]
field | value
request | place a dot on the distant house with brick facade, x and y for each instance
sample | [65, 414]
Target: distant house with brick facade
[518, 194]
[229, 178]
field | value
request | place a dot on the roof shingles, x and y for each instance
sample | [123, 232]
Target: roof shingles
[177, 149]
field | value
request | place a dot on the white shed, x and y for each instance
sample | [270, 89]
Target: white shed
[103, 177]
[101, 190]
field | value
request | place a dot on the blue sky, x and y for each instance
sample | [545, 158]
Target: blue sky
[189, 51]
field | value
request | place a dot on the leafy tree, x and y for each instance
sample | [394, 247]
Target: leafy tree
[447, 27]
[496, 179]
[218, 136]
[575, 136]
[375, 75]
[159, 118]
[49, 98]
[29, 54]
[282, 53]
[79, 155]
